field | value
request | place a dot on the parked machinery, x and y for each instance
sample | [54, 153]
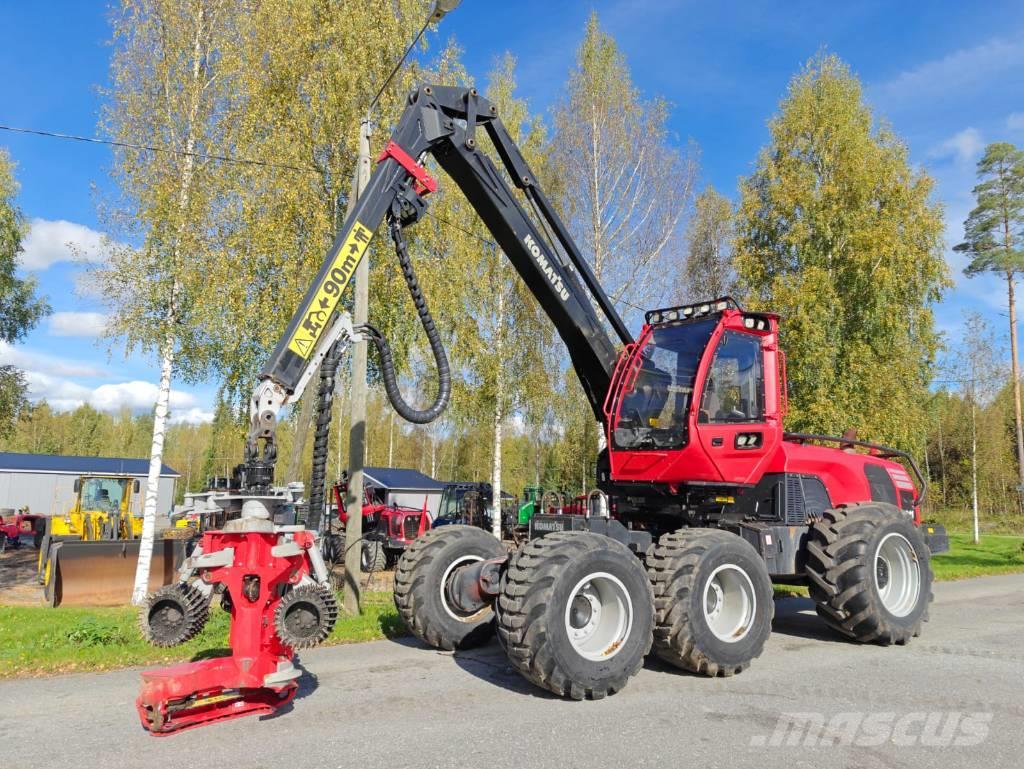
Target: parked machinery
[88, 555]
[387, 529]
[16, 525]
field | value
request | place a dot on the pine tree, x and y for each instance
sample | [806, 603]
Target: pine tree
[994, 239]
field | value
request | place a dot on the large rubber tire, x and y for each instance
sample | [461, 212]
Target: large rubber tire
[685, 569]
[844, 572]
[534, 620]
[420, 584]
[372, 556]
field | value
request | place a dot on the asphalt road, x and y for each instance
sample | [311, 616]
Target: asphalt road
[952, 698]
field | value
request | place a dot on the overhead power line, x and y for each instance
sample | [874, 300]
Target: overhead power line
[229, 159]
[150, 148]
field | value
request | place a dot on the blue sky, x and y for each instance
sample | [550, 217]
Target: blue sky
[948, 76]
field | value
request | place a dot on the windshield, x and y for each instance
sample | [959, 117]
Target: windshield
[458, 502]
[104, 494]
[652, 415]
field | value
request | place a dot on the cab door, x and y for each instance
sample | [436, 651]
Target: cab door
[732, 426]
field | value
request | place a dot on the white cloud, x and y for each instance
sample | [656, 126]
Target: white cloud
[951, 74]
[79, 324]
[964, 146]
[192, 416]
[1015, 121]
[137, 396]
[49, 242]
[61, 394]
[51, 365]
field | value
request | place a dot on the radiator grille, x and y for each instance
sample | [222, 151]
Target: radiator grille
[411, 526]
[796, 509]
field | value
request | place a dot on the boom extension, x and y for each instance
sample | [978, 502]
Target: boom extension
[442, 121]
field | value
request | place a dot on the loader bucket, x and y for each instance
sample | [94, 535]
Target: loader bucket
[102, 573]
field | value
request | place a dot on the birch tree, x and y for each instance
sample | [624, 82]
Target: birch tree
[501, 350]
[626, 187]
[707, 269]
[839, 233]
[167, 87]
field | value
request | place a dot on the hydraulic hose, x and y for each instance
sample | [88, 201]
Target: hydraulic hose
[325, 398]
[387, 363]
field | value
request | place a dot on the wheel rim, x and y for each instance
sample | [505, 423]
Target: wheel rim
[453, 612]
[729, 603]
[897, 574]
[598, 616]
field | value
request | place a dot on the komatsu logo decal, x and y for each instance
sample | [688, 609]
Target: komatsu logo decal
[542, 261]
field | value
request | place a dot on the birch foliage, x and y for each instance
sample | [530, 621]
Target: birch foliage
[839, 233]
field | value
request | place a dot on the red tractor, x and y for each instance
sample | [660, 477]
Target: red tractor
[17, 524]
[387, 529]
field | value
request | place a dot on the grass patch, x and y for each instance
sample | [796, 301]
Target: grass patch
[39, 640]
[995, 554]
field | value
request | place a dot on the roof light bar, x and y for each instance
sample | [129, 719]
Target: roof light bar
[669, 314]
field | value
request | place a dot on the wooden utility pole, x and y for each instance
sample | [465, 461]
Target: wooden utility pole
[357, 432]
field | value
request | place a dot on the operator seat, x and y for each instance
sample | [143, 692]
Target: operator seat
[648, 397]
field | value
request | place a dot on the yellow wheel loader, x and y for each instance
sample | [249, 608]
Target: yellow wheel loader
[88, 555]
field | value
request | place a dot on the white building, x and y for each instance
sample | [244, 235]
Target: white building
[46, 482]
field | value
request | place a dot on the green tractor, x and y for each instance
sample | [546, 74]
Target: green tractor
[532, 496]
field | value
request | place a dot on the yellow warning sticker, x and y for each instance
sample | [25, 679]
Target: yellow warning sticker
[326, 299]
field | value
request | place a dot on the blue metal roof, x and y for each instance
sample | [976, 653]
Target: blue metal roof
[52, 463]
[401, 478]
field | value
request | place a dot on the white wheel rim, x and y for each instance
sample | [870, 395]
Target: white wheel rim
[454, 613]
[598, 616]
[729, 603]
[897, 574]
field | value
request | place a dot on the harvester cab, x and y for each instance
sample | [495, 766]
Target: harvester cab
[696, 408]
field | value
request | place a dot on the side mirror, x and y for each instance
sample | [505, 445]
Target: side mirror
[78, 485]
[135, 486]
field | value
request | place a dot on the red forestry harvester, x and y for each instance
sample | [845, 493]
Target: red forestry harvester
[712, 500]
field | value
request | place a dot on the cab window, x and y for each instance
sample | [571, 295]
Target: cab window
[103, 494]
[734, 388]
[653, 413]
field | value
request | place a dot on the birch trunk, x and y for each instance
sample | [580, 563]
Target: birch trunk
[499, 412]
[974, 468]
[163, 398]
[156, 455]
